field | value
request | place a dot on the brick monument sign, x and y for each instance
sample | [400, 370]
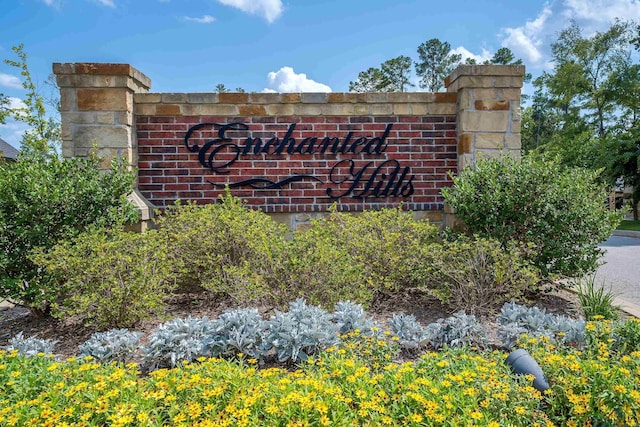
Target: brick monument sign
[292, 155]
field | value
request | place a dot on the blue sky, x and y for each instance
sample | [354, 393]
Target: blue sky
[277, 45]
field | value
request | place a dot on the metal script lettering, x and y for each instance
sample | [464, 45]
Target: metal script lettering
[388, 179]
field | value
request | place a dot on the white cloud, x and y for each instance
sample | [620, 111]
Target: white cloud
[286, 80]
[15, 103]
[108, 3]
[269, 9]
[532, 41]
[485, 55]
[601, 11]
[8, 80]
[12, 132]
[528, 40]
[206, 19]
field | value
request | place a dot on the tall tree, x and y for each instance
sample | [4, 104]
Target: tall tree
[397, 72]
[504, 56]
[586, 110]
[584, 70]
[436, 61]
[393, 76]
[221, 88]
[371, 80]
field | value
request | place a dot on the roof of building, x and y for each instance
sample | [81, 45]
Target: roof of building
[8, 152]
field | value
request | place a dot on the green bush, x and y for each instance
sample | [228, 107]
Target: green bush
[477, 275]
[45, 200]
[560, 211]
[315, 268]
[390, 245]
[224, 247]
[231, 249]
[110, 278]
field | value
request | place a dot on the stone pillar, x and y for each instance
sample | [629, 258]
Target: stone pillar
[96, 107]
[488, 116]
[488, 111]
[96, 104]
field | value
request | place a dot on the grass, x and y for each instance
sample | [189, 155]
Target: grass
[629, 225]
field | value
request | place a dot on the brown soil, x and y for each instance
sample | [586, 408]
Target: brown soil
[71, 333]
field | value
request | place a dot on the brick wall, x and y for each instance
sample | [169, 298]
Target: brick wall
[419, 153]
[108, 106]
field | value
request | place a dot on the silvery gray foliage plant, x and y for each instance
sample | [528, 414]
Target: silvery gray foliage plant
[516, 319]
[115, 345]
[177, 340]
[458, 330]
[31, 346]
[299, 333]
[509, 333]
[531, 318]
[350, 316]
[408, 329]
[568, 331]
[236, 331]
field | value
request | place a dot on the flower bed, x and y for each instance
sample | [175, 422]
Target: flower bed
[354, 383]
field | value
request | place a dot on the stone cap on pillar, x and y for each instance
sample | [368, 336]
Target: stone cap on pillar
[83, 74]
[495, 76]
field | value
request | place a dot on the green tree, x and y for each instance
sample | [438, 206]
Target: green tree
[585, 70]
[397, 72]
[43, 135]
[585, 112]
[221, 88]
[504, 56]
[371, 80]
[393, 76]
[436, 61]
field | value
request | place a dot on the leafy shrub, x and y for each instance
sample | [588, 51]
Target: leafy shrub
[116, 345]
[224, 247]
[31, 346]
[459, 330]
[299, 333]
[228, 248]
[45, 200]
[236, 332]
[595, 299]
[410, 333]
[349, 317]
[176, 341]
[388, 243]
[112, 278]
[313, 267]
[475, 275]
[559, 211]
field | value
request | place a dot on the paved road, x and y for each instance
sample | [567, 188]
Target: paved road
[622, 268]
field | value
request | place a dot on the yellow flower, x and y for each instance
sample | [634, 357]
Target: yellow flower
[475, 415]
[416, 418]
